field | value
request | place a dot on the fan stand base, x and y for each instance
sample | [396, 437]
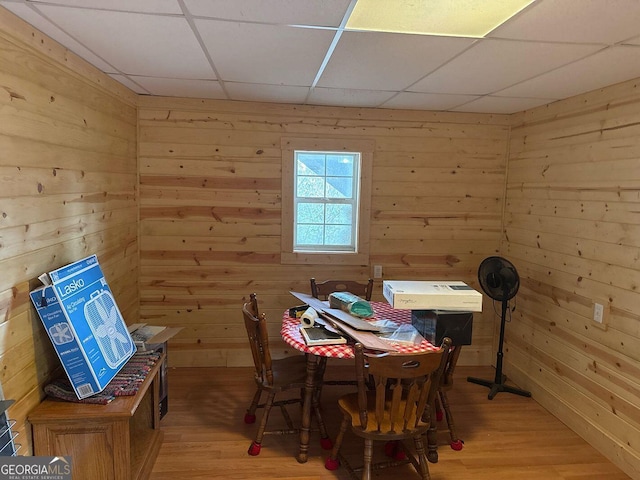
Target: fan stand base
[495, 388]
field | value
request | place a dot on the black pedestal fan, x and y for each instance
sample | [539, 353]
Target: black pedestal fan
[499, 279]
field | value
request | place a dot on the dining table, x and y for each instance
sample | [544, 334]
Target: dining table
[290, 332]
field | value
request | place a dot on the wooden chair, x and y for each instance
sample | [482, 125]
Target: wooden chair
[322, 290]
[446, 384]
[273, 377]
[398, 407]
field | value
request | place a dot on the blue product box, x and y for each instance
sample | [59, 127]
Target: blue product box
[85, 325]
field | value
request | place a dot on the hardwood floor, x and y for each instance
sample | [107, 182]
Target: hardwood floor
[505, 438]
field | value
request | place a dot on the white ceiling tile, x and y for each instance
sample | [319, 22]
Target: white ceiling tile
[45, 26]
[123, 79]
[143, 6]
[613, 65]
[492, 65]
[282, 12]
[597, 21]
[273, 54]
[266, 93]
[506, 105]
[180, 87]
[427, 101]
[136, 43]
[387, 61]
[348, 97]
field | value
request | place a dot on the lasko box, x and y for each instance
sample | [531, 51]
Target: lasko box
[434, 325]
[85, 325]
[426, 295]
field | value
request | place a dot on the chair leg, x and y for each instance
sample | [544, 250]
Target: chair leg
[368, 458]
[332, 462]
[325, 441]
[422, 458]
[456, 443]
[432, 437]
[250, 416]
[256, 445]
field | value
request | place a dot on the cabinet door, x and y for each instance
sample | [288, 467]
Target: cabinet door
[98, 451]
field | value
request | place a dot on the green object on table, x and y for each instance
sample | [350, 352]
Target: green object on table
[351, 304]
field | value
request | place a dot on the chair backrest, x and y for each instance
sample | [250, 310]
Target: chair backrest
[256, 325]
[405, 388]
[322, 290]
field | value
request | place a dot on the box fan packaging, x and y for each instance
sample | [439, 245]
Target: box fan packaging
[84, 324]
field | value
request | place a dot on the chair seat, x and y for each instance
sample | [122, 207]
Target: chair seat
[349, 405]
[289, 372]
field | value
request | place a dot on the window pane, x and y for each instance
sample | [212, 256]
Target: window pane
[338, 235]
[339, 187]
[310, 213]
[340, 165]
[310, 163]
[309, 234]
[310, 187]
[338, 214]
[325, 200]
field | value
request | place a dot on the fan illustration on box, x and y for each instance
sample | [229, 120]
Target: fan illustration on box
[60, 333]
[112, 337]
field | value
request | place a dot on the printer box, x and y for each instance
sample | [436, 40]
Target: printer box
[435, 325]
[427, 295]
[84, 325]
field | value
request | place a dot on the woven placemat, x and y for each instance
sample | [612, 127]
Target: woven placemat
[126, 382]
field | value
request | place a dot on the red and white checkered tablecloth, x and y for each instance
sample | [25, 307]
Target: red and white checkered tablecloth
[290, 332]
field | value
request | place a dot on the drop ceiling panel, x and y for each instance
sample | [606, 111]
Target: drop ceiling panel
[181, 87]
[135, 43]
[613, 65]
[45, 26]
[266, 93]
[427, 101]
[348, 97]
[491, 104]
[283, 12]
[492, 65]
[272, 54]
[387, 61]
[584, 21]
[148, 6]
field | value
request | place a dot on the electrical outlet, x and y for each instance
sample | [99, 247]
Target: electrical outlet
[377, 271]
[598, 312]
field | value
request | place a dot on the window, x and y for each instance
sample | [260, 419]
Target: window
[326, 197]
[325, 201]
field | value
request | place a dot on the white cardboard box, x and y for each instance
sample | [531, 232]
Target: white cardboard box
[84, 324]
[149, 337]
[432, 295]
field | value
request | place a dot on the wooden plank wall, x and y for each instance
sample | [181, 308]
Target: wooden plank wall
[210, 190]
[68, 189]
[573, 230]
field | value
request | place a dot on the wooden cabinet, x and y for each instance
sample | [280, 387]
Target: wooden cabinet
[117, 441]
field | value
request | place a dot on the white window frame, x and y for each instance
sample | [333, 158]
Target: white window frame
[365, 148]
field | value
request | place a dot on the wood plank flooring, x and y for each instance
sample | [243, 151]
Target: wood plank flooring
[505, 438]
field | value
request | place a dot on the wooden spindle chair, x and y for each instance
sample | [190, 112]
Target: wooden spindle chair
[274, 377]
[399, 407]
[322, 290]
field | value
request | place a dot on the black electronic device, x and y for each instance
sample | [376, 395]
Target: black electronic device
[499, 279]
